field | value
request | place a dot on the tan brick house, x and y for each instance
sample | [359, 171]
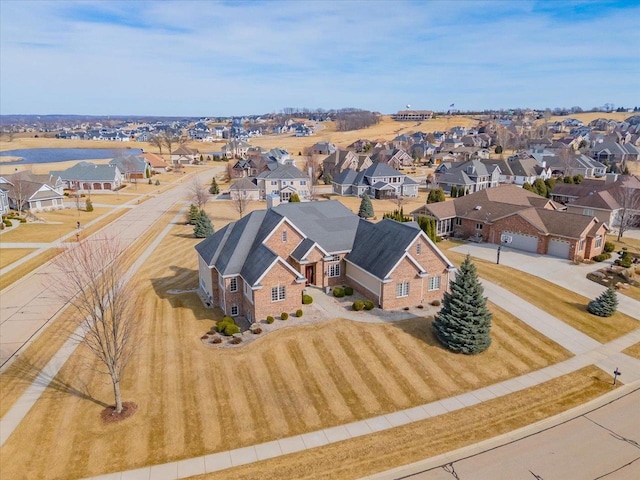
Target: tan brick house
[509, 215]
[260, 265]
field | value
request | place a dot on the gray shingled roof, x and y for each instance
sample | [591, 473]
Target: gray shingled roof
[379, 246]
[301, 250]
[88, 172]
[284, 171]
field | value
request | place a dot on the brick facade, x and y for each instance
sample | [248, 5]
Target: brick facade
[279, 275]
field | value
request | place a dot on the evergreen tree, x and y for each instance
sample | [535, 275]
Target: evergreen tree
[294, 198]
[202, 227]
[193, 214]
[463, 324]
[540, 187]
[454, 191]
[366, 208]
[88, 205]
[605, 305]
[214, 189]
[436, 195]
[527, 186]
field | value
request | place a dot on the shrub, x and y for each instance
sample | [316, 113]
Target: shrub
[435, 303]
[256, 331]
[307, 299]
[368, 305]
[602, 257]
[235, 340]
[270, 319]
[284, 316]
[624, 260]
[157, 183]
[298, 313]
[406, 309]
[358, 305]
[150, 182]
[231, 329]
[609, 247]
[338, 292]
[23, 220]
[204, 337]
[216, 340]
[348, 291]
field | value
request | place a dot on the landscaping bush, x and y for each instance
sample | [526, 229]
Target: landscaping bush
[338, 292]
[307, 300]
[358, 305]
[348, 291]
[216, 340]
[157, 183]
[227, 326]
[270, 319]
[284, 316]
[298, 313]
[23, 220]
[624, 260]
[609, 247]
[256, 330]
[435, 303]
[368, 305]
[204, 337]
[231, 329]
[235, 340]
[602, 257]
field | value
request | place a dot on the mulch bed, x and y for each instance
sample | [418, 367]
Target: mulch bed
[109, 415]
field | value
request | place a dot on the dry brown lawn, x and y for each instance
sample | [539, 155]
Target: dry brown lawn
[195, 399]
[356, 458]
[633, 350]
[21, 270]
[587, 117]
[10, 255]
[563, 304]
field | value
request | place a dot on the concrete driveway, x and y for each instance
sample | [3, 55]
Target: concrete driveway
[560, 271]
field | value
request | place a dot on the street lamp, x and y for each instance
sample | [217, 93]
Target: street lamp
[616, 373]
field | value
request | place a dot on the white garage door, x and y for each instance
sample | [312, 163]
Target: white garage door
[520, 241]
[558, 248]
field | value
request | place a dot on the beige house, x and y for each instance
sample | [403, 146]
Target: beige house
[284, 181]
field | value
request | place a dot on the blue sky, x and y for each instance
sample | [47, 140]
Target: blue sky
[197, 58]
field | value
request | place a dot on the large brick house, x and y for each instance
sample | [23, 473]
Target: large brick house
[510, 215]
[260, 265]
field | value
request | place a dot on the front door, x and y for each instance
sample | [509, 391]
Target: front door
[309, 274]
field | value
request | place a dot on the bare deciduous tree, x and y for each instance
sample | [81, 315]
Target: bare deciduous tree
[20, 190]
[91, 278]
[629, 214]
[240, 200]
[157, 141]
[199, 194]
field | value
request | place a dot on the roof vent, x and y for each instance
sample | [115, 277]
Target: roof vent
[478, 207]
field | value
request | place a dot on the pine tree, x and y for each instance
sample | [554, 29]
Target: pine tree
[366, 208]
[193, 214]
[436, 195]
[294, 198]
[214, 189]
[605, 305]
[202, 226]
[463, 324]
[454, 191]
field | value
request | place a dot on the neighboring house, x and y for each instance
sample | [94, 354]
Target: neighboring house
[235, 149]
[603, 199]
[284, 181]
[511, 216]
[132, 167]
[184, 155]
[377, 181]
[413, 115]
[570, 164]
[611, 152]
[394, 157]
[156, 162]
[24, 191]
[261, 264]
[343, 159]
[520, 170]
[87, 177]
[4, 200]
[471, 176]
[322, 148]
[244, 189]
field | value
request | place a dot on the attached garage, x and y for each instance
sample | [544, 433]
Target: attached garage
[520, 241]
[559, 248]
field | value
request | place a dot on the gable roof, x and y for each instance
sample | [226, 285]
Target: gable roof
[284, 172]
[89, 172]
[244, 184]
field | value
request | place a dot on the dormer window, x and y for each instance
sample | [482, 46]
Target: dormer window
[284, 236]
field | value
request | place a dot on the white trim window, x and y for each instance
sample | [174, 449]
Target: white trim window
[233, 285]
[235, 311]
[334, 258]
[418, 248]
[402, 289]
[458, 222]
[581, 244]
[334, 270]
[284, 236]
[278, 293]
[434, 283]
[598, 241]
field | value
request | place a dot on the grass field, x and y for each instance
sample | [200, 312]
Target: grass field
[356, 458]
[633, 350]
[10, 255]
[193, 399]
[563, 304]
[21, 270]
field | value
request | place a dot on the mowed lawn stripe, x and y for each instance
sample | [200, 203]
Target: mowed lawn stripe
[362, 360]
[261, 428]
[159, 373]
[314, 388]
[285, 399]
[336, 406]
[367, 401]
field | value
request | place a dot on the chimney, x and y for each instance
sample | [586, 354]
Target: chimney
[610, 178]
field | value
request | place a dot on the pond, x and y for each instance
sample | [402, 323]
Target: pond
[51, 155]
